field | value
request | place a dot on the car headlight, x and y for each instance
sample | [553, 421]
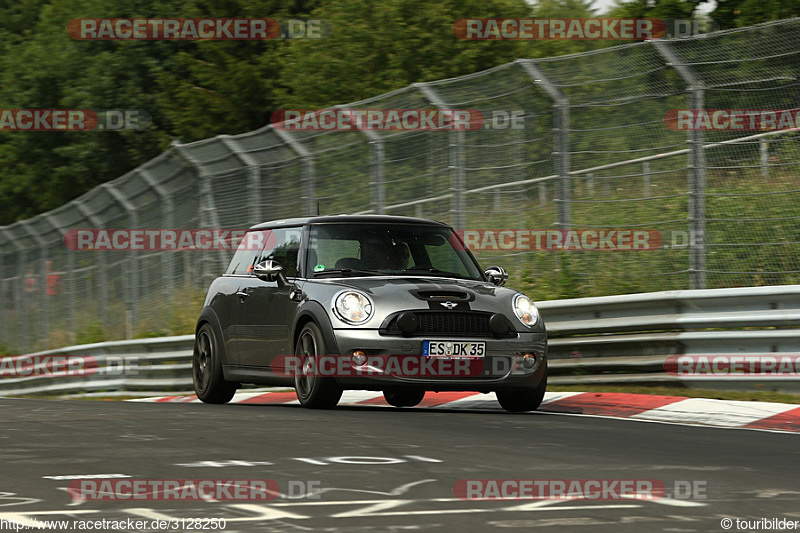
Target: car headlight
[525, 310]
[353, 307]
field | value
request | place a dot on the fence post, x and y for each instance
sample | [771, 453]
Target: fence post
[131, 281]
[43, 300]
[378, 156]
[253, 181]
[102, 277]
[167, 221]
[19, 304]
[5, 311]
[646, 177]
[208, 213]
[309, 172]
[764, 148]
[697, 168]
[457, 160]
[562, 153]
[377, 165]
[71, 299]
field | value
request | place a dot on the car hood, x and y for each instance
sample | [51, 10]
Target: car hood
[391, 294]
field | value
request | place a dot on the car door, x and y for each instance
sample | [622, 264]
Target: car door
[265, 308]
[228, 300]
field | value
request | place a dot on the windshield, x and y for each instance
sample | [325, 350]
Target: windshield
[387, 249]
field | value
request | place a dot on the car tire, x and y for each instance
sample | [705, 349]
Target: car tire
[314, 392]
[403, 398]
[209, 382]
[521, 400]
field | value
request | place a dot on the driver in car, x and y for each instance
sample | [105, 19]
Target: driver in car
[397, 258]
[391, 255]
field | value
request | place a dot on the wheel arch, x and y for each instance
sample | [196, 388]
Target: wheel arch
[208, 316]
[314, 312]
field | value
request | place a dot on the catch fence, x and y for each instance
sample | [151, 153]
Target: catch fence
[593, 153]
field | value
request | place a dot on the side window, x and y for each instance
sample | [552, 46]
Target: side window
[283, 246]
[247, 253]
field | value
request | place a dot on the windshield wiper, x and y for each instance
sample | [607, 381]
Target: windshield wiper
[433, 270]
[347, 272]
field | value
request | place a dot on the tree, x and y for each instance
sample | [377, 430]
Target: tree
[738, 13]
[381, 46]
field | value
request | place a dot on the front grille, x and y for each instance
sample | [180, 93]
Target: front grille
[458, 323]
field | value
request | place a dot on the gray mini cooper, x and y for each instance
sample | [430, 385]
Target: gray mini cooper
[380, 303]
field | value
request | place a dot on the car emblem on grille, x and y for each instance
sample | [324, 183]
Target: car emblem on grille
[449, 305]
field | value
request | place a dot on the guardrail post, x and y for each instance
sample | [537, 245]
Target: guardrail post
[309, 172]
[131, 281]
[253, 180]
[167, 221]
[562, 152]
[457, 160]
[697, 168]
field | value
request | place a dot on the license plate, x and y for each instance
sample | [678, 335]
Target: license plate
[453, 349]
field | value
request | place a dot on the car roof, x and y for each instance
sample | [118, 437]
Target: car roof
[349, 219]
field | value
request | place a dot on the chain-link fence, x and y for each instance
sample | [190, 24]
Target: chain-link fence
[594, 153]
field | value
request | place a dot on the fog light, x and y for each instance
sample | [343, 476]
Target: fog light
[529, 360]
[359, 358]
[407, 322]
[499, 324]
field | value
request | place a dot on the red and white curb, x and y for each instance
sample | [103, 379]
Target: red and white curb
[669, 409]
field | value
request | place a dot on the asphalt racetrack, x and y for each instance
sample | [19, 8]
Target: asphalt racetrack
[370, 468]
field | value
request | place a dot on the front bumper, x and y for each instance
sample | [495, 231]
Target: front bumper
[500, 368]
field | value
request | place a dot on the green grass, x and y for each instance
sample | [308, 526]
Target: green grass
[737, 236]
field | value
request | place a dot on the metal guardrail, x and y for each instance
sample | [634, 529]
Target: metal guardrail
[610, 339]
[130, 367]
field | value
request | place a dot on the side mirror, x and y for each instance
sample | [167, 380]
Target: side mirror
[269, 270]
[496, 275]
